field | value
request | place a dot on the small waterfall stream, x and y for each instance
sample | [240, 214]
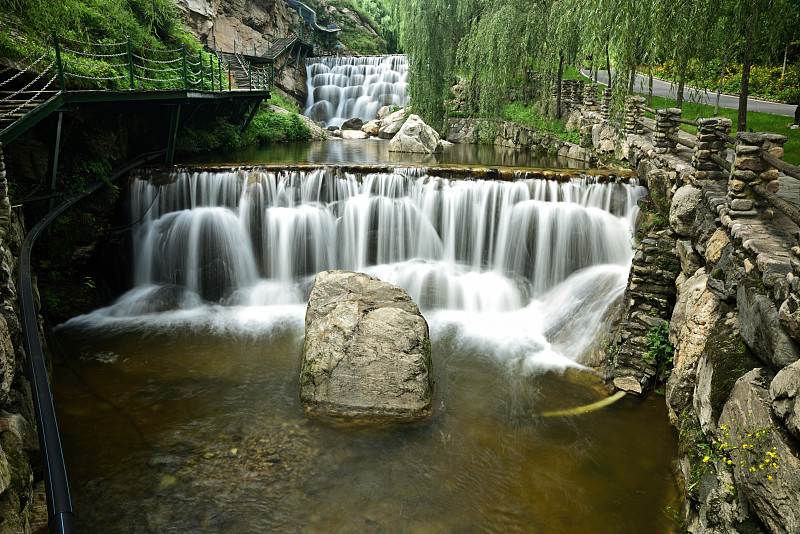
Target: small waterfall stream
[341, 88]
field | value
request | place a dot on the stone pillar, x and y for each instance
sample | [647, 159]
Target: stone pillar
[566, 95]
[633, 121]
[751, 169]
[590, 97]
[709, 144]
[605, 104]
[663, 128]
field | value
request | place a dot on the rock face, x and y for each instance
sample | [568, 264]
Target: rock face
[391, 124]
[416, 136]
[367, 352]
[773, 492]
[252, 25]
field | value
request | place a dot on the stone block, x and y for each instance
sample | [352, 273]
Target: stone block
[760, 328]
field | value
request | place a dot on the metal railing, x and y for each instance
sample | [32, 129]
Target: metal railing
[127, 65]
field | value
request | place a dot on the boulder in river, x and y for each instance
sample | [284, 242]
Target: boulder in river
[353, 124]
[416, 136]
[367, 351]
[372, 127]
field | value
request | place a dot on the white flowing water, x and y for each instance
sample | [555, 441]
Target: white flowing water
[342, 88]
[526, 270]
[183, 395]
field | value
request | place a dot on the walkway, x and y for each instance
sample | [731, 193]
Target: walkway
[668, 90]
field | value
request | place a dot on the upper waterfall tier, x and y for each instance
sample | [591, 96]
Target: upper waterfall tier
[342, 88]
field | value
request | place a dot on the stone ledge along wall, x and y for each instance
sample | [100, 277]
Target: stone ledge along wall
[721, 267]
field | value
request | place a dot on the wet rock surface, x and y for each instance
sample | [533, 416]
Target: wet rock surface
[367, 351]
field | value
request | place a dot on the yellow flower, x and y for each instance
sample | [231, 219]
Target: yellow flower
[769, 477]
[705, 459]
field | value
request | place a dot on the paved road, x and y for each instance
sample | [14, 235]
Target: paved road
[666, 89]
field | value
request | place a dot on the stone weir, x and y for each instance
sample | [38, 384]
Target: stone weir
[454, 172]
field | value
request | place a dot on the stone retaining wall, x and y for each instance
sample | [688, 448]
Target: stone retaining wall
[513, 135]
[734, 316]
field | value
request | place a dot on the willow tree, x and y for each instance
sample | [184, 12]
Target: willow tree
[430, 33]
[506, 38]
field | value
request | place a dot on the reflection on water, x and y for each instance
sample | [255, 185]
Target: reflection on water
[376, 151]
[190, 432]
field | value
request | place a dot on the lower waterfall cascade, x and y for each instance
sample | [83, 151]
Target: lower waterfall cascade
[527, 268]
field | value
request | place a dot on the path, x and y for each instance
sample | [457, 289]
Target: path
[668, 90]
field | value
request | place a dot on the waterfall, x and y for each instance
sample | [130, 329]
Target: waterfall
[341, 88]
[525, 268]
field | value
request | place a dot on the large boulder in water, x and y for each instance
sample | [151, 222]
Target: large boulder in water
[416, 136]
[367, 352]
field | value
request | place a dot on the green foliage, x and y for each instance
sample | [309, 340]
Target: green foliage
[373, 13]
[765, 81]
[518, 112]
[223, 132]
[748, 447]
[268, 126]
[659, 349]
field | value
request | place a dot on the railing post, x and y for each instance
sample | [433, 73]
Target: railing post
[183, 61]
[219, 71]
[130, 63]
[708, 144]
[58, 62]
[230, 81]
[202, 82]
[271, 74]
[249, 77]
[211, 64]
[750, 169]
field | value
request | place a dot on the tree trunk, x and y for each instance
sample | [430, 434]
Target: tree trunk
[722, 73]
[797, 114]
[608, 65]
[649, 86]
[744, 88]
[631, 79]
[785, 54]
[558, 88]
[681, 82]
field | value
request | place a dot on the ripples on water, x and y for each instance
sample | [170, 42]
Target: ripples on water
[188, 392]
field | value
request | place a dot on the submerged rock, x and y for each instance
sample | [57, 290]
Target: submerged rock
[416, 136]
[367, 352]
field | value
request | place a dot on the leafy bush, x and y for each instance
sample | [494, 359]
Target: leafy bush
[765, 81]
[518, 112]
